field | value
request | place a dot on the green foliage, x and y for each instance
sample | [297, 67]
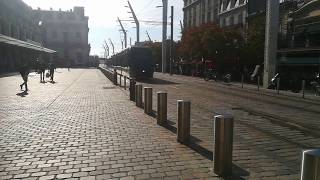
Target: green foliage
[211, 42]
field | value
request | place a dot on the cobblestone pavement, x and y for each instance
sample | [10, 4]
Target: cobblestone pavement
[82, 127]
[264, 147]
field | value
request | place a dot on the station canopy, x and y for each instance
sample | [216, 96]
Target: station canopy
[16, 42]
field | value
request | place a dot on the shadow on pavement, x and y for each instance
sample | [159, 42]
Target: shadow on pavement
[156, 81]
[237, 173]
[9, 74]
[22, 94]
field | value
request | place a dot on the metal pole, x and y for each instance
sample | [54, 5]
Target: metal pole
[162, 108]
[310, 168]
[258, 83]
[164, 35]
[136, 21]
[120, 79]
[115, 77]
[125, 82]
[271, 41]
[112, 46]
[138, 93]
[223, 142]
[171, 41]
[278, 85]
[183, 133]
[132, 90]
[303, 87]
[242, 79]
[148, 100]
[124, 33]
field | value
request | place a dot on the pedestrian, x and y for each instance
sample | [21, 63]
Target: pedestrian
[24, 72]
[51, 70]
[42, 70]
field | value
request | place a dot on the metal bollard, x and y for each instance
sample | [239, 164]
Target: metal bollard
[162, 108]
[258, 83]
[132, 90]
[310, 168]
[242, 79]
[183, 131]
[138, 93]
[115, 77]
[120, 79]
[125, 82]
[148, 100]
[223, 142]
[278, 85]
[303, 87]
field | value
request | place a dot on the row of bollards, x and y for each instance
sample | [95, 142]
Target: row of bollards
[223, 126]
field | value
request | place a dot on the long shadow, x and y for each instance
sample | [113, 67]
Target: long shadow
[22, 94]
[8, 74]
[156, 81]
[237, 172]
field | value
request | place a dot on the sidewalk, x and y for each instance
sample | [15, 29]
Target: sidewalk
[84, 127]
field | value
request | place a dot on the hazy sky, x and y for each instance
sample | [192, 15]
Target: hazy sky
[103, 18]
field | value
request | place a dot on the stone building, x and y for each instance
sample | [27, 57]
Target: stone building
[20, 40]
[197, 12]
[233, 13]
[67, 33]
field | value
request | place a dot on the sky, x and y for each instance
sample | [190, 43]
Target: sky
[103, 16]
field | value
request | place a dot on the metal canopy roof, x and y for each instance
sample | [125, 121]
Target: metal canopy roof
[15, 42]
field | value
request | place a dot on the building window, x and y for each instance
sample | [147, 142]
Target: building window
[240, 19]
[209, 17]
[78, 35]
[65, 36]
[231, 21]
[54, 34]
[59, 16]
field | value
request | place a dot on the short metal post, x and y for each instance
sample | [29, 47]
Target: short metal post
[120, 79]
[223, 142]
[303, 87]
[115, 77]
[310, 168]
[132, 90]
[148, 100]
[278, 85]
[258, 83]
[162, 108]
[138, 92]
[242, 79]
[125, 82]
[183, 131]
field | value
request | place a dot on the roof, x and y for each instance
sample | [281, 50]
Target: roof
[16, 42]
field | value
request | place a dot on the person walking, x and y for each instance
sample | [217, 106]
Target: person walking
[24, 72]
[51, 69]
[42, 70]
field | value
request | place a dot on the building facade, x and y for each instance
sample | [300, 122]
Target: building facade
[20, 40]
[233, 13]
[197, 12]
[67, 33]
